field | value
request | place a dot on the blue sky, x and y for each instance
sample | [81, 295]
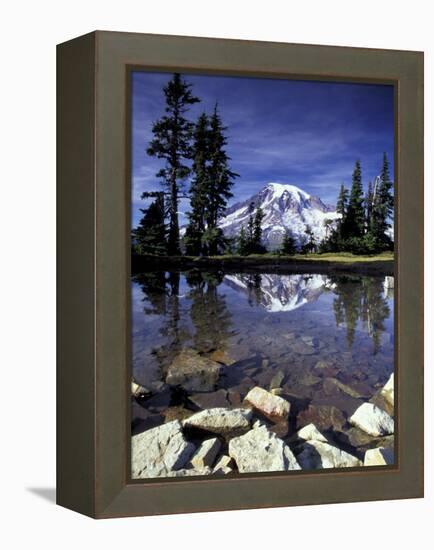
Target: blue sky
[304, 133]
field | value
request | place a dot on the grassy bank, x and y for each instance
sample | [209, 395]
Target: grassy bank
[381, 264]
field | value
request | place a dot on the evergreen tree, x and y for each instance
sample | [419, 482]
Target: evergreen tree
[220, 178]
[257, 246]
[341, 208]
[310, 244]
[382, 210]
[242, 247]
[171, 142]
[149, 237]
[369, 198]
[198, 188]
[288, 244]
[355, 217]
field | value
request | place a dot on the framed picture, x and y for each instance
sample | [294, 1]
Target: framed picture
[240, 274]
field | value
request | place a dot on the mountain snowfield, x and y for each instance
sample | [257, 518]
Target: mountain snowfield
[285, 207]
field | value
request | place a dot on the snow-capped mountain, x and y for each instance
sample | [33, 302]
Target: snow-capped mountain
[285, 207]
[277, 293]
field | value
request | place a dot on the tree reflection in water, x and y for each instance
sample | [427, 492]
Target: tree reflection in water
[361, 298]
[208, 312]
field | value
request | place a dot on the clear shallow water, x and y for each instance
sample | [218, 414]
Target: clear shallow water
[308, 328]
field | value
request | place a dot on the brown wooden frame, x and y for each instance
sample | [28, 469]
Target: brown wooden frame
[93, 273]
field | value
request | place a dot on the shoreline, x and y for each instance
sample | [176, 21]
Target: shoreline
[362, 265]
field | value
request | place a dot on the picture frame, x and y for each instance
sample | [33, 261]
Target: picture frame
[94, 327]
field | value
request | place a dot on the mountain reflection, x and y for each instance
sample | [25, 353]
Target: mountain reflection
[201, 315]
[278, 293]
[359, 302]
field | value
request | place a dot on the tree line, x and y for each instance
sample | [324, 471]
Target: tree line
[365, 219]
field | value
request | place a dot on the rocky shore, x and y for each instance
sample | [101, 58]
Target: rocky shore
[243, 428]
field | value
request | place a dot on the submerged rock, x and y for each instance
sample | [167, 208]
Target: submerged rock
[379, 457]
[272, 406]
[332, 384]
[259, 450]
[208, 400]
[206, 454]
[372, 420]
[325, 417]
[159, 451]
[318, 454]
[309, 433]
[193, 372]
[277, 380]
[221, 421]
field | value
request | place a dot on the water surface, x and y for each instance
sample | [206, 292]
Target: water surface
[308, 328]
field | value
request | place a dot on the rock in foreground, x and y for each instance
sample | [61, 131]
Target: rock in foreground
[221, 421]
[159, 451]
[270, 405]
[206, 453]
[372, 420]
[379, 457]
[388, 391]
[261, 451]
[193, 372]
[317, 454]
[309, 433]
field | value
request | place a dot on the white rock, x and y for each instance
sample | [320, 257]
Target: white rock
[220, 420]
[193, 372]
[137, 390]
[372, 420]
[379, 457]
[156, 452]
[206, 453]
[222, 463]
[317, 454]
[388, 391]
[271, 405]
[311, 432]
[224, 470]
[261, 451]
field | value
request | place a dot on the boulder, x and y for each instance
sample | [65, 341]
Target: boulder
[223, 466]
[193, 372]
[372, 420]
[332, 384]
[381, 402]
[259, 450]
[159, 451]
[208, 400]
[277, 380]
[325, 417]
[221, 421]
[310, 433]
[272, 406]
[137, 390]
[318, 454]
[388, 391]
[224, 461]
[205, 454]
[379, 457]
